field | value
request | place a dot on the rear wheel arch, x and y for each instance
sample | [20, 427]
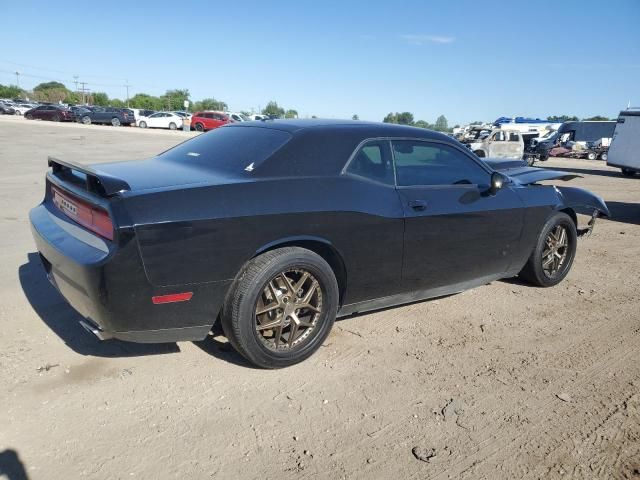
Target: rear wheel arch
[319, 246]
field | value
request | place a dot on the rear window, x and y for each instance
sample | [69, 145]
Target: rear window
[229, 149]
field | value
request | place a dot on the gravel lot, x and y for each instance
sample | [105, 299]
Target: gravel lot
[504, 381]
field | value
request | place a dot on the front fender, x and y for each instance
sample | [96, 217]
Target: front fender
[583, 201]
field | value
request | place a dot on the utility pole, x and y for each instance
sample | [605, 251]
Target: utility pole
[127, 87]
[18, 79]
[75, 80]
[83, 90]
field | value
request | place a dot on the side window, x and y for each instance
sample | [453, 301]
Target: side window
[423, 163]
[498, 137]
[373, 161]
[514, 137]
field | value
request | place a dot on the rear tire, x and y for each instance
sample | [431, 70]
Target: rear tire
[29, 116]
[172, 126]
[604, 156]
[115, 122]
[199, 127]
[55, 118]
[628, 173]
[142, 124]
[261, 286]
[591, 156]
[537, 271]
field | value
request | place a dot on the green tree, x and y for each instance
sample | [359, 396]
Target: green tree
[210, 104]
[116, 102]
[273, 109]
[53, 95]
[597, 118]
[562, 118]
[355, 117]
[49, 86]
[291, 114]
[11, 91]
[422, 124]
[145, 101]
[391, 118]
[99, 98]
[72, 98]
[174, 99]
[441, 124]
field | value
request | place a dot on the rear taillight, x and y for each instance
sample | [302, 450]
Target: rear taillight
[89, 216]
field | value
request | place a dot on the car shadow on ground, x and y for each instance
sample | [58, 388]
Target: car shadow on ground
[624, 212]
[11, 468]
[585, 171]
[58, 315]
[217, 346]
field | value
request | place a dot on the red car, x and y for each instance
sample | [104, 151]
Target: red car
[56, 113]
[203, 121]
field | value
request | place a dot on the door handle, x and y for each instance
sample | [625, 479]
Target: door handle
[418, 205]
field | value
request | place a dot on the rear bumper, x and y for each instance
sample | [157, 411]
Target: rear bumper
[106, 283]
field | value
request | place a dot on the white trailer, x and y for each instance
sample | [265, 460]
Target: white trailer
[624, 151]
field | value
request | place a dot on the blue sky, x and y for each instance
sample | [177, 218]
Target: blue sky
[467, 60]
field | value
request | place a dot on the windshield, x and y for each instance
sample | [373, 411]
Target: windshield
[229, 149]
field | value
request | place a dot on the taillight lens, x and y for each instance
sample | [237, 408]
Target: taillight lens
[89, 216]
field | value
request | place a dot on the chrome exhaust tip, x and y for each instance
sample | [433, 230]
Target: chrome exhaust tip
[97, 331]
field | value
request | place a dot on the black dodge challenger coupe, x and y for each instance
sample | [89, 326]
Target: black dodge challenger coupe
[278, 227]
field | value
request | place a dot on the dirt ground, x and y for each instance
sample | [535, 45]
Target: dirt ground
[504, 381]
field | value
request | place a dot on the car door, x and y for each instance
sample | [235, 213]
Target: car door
[497, 143]
[40, 112]
[456, 231]
[154, 120]
[514, 145]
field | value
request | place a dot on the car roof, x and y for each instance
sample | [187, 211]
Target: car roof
[355, 127]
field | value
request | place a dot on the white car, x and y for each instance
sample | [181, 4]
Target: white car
[161, 120]
[238, 117]
[21, 108]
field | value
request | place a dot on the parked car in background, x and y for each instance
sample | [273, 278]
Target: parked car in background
[168, 120]
[374, 215]
[55, 113]
[624, 151]
[256, 116]
[500, 143]
[239, 117]
[108, 115]
[204, 121]
[79, 110]
[21, 108]
[7, 108]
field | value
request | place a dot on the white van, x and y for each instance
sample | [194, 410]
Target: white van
[624, 151]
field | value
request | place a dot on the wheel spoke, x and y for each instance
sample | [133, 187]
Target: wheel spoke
[308, 306]
[268, 326]
[548, 260]
[288, 284]
[277, 333]
[300, 282]
[312, 289]
[268, 308]
[293, 330]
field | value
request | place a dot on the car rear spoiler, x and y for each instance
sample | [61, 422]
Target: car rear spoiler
[97, 182]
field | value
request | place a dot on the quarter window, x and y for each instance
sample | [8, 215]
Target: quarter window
[373, 161]
[422, 163]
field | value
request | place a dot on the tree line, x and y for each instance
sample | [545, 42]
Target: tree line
[406, 118]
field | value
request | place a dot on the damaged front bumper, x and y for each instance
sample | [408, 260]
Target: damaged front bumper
[586, 232]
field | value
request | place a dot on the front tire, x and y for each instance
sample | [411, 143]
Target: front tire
[142, 124]
[199, 127]
[86, 120]
[604, 156]
[591, 156]
[172, 126]
[29, 116]
[115, 122]
[553, 255]
[281, 307]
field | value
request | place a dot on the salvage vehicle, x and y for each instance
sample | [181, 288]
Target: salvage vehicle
[591, 134]
[625, 145]
[500, 143]
[276, 228]
[205, 121]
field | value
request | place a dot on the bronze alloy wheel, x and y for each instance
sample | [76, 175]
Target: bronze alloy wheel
[288, 309]
[555, 252]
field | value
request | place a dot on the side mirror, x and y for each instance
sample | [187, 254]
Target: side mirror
[497, 182]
